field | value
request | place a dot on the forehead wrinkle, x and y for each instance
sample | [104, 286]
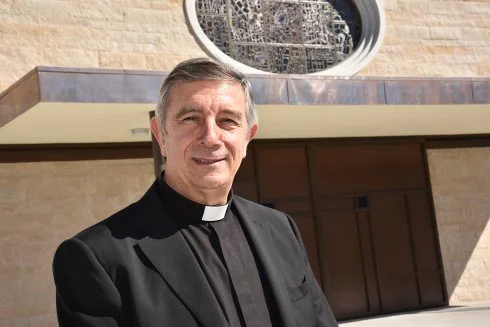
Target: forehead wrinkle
[212, 95]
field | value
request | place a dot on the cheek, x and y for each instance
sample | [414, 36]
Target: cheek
[177, 145]
[238, 144]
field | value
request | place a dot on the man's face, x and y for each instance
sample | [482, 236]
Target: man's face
[206, 135]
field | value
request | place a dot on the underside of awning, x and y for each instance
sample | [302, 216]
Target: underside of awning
[71, 105]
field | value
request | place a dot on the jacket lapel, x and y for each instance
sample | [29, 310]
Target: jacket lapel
[168, 251]
[256, 227]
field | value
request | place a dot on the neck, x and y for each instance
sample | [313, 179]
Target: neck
[209, 197]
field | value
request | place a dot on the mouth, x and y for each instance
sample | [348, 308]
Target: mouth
[207, 161]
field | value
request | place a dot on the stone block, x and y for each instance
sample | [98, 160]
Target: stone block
[446, 7]
[446, 33]
[482, 22]
[410, 31]
[477, 7]
[122, 60]
[413, 6]
[472, 33]
[390, 5]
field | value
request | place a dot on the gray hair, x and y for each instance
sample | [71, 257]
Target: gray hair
[203, 69]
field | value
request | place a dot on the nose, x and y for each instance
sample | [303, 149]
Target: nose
[210, 134]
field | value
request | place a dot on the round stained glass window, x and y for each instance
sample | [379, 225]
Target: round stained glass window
[286, 36]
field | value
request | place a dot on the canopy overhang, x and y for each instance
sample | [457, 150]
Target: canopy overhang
[71, 105]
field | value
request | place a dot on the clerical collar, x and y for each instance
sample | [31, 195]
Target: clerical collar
[188, 211]
[214, 213]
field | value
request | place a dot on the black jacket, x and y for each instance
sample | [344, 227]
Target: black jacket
[135, 269]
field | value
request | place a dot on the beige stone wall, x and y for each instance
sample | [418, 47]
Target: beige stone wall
[434, 38]
[461, 188]
[42, 204]
[423, 37]
[129, 34]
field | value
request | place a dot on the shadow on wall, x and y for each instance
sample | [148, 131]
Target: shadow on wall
[461, 191]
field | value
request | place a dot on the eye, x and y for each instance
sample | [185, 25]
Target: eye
[190, 119]
[229, 122]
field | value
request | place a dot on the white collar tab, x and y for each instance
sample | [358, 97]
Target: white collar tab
[214, 213]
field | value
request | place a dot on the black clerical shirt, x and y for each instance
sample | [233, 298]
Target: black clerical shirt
[226, 259]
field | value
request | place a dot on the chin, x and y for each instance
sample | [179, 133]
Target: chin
[212, 181]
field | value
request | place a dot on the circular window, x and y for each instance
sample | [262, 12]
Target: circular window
[289, 36]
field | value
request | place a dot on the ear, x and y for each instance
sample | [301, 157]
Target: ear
[253, 131]
[157, 132]
[251, 135]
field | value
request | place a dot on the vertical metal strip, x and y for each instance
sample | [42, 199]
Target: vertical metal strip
[375, 261]
[359, 238]
[412, 246]
[318, 226]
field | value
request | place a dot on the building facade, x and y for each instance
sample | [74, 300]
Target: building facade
[385, 170]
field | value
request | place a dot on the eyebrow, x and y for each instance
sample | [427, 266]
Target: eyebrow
[233, 114]
[185, 110]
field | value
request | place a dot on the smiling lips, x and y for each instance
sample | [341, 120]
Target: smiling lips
[202, 161]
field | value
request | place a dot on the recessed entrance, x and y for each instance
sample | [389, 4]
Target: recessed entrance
[364, 212]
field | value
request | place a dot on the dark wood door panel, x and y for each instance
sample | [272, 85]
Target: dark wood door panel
[425, 245]
[366, 168]
[323, 203]
[246, 189]
[391, 235]
[344, 278]
[370, 272]
[398, 292]
[306, 226]
[293, 206]
[282, 172]
[393, 251]
[247, 168]
[431, 287]
[364, 213]
[245, 184]
[283, 183]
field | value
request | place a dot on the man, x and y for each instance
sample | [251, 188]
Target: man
[190, 252]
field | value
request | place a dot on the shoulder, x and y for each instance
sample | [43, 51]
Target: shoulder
[122, 224]
[108, 241]
[115, 225]
[276, 219]
[259, 208]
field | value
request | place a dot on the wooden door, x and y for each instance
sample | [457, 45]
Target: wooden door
[373, 203]
[364, 214]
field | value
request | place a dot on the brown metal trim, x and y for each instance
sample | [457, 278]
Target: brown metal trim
[369, 305]
[53, 84]
[336, 92]
[481, 91]
[412, 248]
[458, 142]
[431, 141]
[74, 152]
[94, 151]
[429, 92]
[375, 262]
[317, 223]
[20, 97]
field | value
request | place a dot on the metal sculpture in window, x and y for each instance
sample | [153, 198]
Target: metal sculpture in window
[285, 36]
